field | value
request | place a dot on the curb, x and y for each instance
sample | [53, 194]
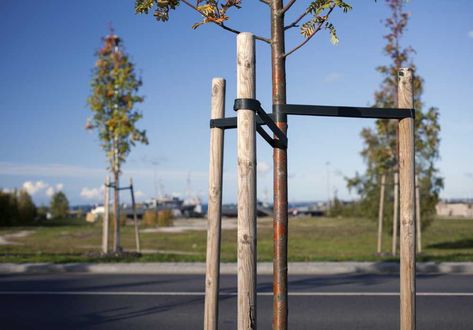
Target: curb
[264, 268]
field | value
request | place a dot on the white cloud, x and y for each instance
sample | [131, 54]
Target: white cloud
[91, 193]
[50, 191]
[263, 168]
[333, 77]
[34, 187]
[139, 194]
[470, 34]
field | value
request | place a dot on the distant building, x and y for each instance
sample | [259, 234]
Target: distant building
[458, 208]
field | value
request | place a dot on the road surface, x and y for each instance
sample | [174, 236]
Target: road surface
[352, 301]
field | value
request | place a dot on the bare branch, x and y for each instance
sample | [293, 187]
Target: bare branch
[191, 5]
[294, 24]
[288, 6]
[223, 26]
[266, 2]
[313, 34]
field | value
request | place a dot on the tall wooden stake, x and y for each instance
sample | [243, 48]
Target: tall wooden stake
[214, 213]
[106, 216]
[381, 215]
[407, 204]
[246, 144]
[418, 218]
[395, 212]
[135, 218]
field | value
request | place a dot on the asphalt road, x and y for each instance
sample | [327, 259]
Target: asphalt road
[78, 301]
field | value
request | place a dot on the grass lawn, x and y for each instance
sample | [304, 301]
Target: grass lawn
[310, 239]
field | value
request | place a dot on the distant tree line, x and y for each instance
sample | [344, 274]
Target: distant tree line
[18, 209]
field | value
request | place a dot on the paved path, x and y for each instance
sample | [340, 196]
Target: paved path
[359, 301]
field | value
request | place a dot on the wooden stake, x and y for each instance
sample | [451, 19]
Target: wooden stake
[418, 218]
[106, 215]
[214, 213]
[135, 218]
[246, 144]
[381, 215]
[407, 204]
[396, 212]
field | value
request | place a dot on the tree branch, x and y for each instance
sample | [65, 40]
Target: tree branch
[288, 6]
[266, 2]
[313, 34]
[223, 26]
[294, 24]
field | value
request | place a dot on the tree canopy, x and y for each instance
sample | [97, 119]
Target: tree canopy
[59, 206]
[114, 96]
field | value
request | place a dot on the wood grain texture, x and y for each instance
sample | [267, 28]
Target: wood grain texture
[135, 218]
[407, 204]
[214, 213]
[418, 218]
[395, 213]
[106, 216]
[381, 214]
[246, 146]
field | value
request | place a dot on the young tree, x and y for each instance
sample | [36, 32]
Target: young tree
[314, 18]
[380, 144]
[59, 206]
[114, 96]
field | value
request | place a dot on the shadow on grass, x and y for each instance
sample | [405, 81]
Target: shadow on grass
[460, 244]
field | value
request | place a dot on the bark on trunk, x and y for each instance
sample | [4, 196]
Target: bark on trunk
[280, 170]
[116, 215]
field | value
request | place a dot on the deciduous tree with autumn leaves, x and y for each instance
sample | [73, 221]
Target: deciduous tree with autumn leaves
[114, 96]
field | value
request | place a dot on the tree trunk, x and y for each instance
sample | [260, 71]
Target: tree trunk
[116, 213]
[278, 64]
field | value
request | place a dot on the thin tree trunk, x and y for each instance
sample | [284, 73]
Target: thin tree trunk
[106, 215]
[418, 218]
[135, 217]
[395, 213]
[381, 215]
[116, 215]
[278, 63]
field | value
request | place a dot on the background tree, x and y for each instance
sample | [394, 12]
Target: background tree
[380, 144]
[314, 18]
[16, 208]
[26, 208]
[59, 206]
[114, 96]
[8, 208]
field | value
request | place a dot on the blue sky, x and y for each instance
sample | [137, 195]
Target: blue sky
[48, 54]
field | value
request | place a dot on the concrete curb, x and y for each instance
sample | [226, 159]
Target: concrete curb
[264, 268]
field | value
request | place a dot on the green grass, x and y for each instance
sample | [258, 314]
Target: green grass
[310, 239]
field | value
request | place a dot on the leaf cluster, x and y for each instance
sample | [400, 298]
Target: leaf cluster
[113, 98]
[212, 10]
[320, 11]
